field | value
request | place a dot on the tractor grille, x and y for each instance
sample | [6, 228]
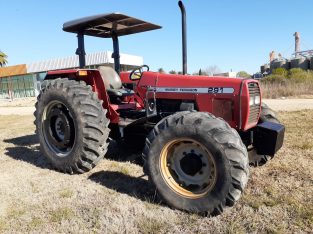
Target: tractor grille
[254, 90]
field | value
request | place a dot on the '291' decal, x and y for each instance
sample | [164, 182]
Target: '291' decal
[210, 90]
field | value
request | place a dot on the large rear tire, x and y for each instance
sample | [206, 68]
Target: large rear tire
[267, 114]
[71, 125]
[197, 162]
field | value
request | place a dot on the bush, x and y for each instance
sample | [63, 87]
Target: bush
[282, 83]
[298, 75]
[280, 72]
[275, 79]
[243, 74]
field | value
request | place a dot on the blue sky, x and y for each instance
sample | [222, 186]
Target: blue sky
[235, 35]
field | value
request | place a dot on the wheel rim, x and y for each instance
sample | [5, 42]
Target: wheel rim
[58, 128]
[188, 168]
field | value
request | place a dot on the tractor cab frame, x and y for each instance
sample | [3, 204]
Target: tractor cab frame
[112, 25]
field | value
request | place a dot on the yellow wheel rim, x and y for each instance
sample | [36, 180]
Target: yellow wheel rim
[188, 168]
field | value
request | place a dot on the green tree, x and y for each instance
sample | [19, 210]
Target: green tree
[161, 70]
[173, 72]
[243, 74]
[3, 59]
[280, 71]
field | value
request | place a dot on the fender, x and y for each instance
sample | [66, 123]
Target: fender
[93, 78]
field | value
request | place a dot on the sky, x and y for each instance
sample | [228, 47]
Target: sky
[231, 34]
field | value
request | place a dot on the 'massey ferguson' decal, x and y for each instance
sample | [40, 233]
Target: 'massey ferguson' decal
[210, 90]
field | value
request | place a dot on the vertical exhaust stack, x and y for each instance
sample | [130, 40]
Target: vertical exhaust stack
[184, 36]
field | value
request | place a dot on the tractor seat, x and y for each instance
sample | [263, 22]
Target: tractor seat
[113, 83]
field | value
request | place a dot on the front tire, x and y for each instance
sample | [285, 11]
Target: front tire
[71, 125]
[197, 162]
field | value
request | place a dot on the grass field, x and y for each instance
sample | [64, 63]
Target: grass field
[115, 198]
[287, 89]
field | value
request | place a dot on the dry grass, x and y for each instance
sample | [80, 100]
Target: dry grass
[113, 198]
[287, 89]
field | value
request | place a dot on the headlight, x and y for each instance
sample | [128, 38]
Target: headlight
[251, 102]
[255, 100]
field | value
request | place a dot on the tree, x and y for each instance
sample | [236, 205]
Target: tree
[173, 72]
[161, 70]
[3, 59]
[211, 70]
[243, 74]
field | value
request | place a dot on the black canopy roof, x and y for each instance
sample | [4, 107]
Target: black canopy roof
[103, 25]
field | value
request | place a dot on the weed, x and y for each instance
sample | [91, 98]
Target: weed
[60, 214]
[35, 223]
[66, 193]
[151, 225]
[3, 225]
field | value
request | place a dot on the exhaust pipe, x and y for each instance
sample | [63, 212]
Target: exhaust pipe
[184, 36]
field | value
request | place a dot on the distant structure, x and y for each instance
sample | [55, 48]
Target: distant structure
[272, 56]
[300, 59]
[297, 42]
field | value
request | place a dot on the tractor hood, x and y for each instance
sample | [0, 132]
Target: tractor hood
[236, 100]
[167, 83]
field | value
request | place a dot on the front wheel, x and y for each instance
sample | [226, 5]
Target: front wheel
[197, 162]
[71, 125]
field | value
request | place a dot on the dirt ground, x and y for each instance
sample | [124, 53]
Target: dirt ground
[115, 198]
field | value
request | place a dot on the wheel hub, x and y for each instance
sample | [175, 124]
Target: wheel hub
[188, 167]
[58, 128]
[191, 164]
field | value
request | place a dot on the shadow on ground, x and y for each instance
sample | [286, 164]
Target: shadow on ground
[26, 149]
[121, 152]
[133, 186]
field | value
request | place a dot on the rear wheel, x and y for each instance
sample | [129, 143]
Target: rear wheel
[71, 125]
[197, 162]
[267, 114]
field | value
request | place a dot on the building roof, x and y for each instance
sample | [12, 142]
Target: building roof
[13, 70]
[104, 57]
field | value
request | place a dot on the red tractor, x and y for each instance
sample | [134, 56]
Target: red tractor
[198, 134]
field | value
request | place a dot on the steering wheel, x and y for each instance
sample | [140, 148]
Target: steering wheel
[136, 74]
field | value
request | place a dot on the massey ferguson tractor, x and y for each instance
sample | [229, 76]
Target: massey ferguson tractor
[198, 134]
